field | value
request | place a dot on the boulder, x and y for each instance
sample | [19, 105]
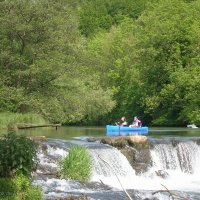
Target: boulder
[137, 139]
[124, 140]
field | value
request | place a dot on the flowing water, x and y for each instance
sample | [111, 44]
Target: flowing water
[175, 165]
[69, 132]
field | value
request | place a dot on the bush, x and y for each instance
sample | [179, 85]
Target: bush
[34, 193]
[77, 165]
[7, 189]
[19, 188]
[17, 153]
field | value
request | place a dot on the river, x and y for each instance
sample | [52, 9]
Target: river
[69, 132]
[175, 152]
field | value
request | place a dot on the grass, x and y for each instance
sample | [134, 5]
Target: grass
[77, 165]
[19, 188]
[7, 118]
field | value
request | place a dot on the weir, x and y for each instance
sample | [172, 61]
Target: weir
[173, 164]
[185, 157]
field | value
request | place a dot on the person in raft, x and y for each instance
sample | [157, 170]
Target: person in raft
[136, 123]
[122, 122]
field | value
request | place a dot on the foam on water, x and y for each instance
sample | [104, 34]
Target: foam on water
[180, 162]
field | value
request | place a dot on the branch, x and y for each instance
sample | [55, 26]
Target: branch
[117, 178]
[170, 193]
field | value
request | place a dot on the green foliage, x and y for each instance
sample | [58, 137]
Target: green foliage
[17, 154]
[167, 55]
[77, 165]
[43, 65]
[101, 15]
[151, 63]
[7, 189]
[36, 45]
[34, 193]
[7, 118]
[114, 53]
[134, 60]
[19, 188]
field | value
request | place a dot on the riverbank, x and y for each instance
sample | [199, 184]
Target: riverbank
[8, 118]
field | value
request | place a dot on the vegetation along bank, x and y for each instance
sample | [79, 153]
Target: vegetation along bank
[92, 61]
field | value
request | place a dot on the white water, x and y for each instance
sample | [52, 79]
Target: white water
[111, 167]
[181, 164]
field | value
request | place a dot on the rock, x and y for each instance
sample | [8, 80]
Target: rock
[162, 174]
[106, 140]
[135, 148]
[137, 138]
[139, 159]
[123, 140]
[82, 197]
[91, 139]
[38, 138]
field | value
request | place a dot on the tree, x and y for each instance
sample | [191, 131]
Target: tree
[42, 61]
[144, 60]
[100, 15]
[115, 56]
[167, 52]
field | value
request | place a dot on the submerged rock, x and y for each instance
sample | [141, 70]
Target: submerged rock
[162, 173]
[82, 197]
[39, 138]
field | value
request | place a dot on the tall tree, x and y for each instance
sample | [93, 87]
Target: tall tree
[42, 60]
[169, 51]
[101, 15]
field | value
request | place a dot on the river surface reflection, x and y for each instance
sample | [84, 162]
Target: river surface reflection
[69, 132]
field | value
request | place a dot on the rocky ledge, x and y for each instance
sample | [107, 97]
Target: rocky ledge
[136, 149]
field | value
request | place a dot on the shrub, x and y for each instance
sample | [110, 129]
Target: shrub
[34, 193]
[7, 189]
[19, 188]
[77, 165]
[17, 153]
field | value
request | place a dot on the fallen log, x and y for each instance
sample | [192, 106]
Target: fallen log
[25, 126]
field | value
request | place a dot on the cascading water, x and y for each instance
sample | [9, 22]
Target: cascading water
[110, 165]
[181, 164]
[183, 157]
[175, 166]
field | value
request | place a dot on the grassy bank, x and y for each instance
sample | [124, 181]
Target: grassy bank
[7, 118]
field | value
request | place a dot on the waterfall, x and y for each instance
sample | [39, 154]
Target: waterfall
[169, 163]
[181, 163]
[185, 157]
[111, 166]
[174, 165]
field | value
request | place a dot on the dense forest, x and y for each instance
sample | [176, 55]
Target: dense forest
[93, 61]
